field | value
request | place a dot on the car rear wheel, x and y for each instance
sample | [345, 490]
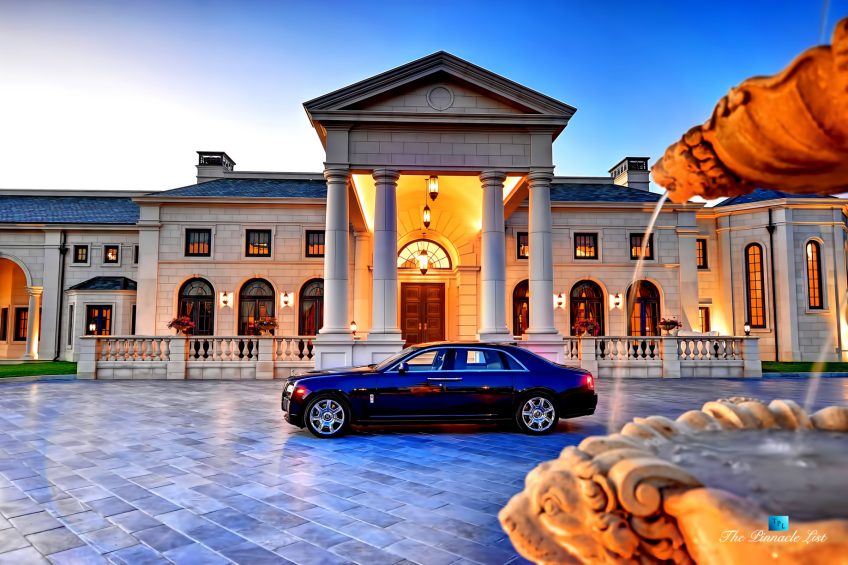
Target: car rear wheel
[327, 417]
[536, 414]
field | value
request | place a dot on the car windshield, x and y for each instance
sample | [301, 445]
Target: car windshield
[394, 358]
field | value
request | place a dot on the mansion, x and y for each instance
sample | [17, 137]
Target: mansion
[437, 216]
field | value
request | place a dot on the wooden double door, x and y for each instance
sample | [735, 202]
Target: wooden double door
[422, 317]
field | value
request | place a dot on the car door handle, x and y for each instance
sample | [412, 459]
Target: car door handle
[444, 379]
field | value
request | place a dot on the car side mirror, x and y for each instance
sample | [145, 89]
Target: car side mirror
[403, 368]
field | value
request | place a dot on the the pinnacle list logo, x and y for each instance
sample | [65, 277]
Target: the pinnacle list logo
[778, 523]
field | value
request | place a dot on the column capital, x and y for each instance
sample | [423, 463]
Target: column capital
[493, 177]
[540, 176]
[386, 175]
[336, 173]
[34, 290]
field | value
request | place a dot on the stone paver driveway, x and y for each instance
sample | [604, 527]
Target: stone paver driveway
[207, 472]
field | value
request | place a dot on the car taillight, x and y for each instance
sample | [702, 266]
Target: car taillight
[589, 382]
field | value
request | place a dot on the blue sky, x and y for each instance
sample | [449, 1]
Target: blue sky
[120, 95]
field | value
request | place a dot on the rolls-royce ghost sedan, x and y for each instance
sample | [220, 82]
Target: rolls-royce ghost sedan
[442, 382]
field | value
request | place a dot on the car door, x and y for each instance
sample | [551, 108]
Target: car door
[414, 393]
[479, 384]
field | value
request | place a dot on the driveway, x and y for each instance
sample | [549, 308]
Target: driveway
[208, 472]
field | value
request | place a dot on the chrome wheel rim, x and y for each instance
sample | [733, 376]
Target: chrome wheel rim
[327, 416]
[538, 414]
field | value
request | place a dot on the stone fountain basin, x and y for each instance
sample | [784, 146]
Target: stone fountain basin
[699, 489]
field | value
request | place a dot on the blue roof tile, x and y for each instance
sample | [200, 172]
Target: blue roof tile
[252, 188]
[106, 283]
[762, 194]
[568, 192]
[67, 210]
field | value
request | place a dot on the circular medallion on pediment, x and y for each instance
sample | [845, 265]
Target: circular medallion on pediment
[440, 98]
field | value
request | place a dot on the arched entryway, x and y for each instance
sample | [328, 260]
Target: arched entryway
[14, 310]
[643, 301]
[521, 308]
[256, 302]
[587, 303]
[423, 267]
[197, 302]
[311, 307]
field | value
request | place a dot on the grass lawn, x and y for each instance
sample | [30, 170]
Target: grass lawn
[37, 369]
[803, 367]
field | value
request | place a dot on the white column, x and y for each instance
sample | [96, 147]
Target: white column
[541, 256]
[32, 322]
[336, 254]
[688, 277]
[361, 281]
[50, 296]
[493, 261]
[384, 308]
[148, 274]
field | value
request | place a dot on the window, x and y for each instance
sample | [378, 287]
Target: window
[522, 245]
[70, 325]
[754, 286]
[258, 243]
[135, 254]
[478, 360]
[585, 246]
[20, 329]
[701, 253]
[814, 279]
[637, 240]
[521, 308]
[314, 243]
[256, 302]
[111, 254]
[4, 324]
[437, 257]
[198, 243]
[98, 320]
[311, 308]
[587, 303]
[644, 300]
[197, 301]
[132, 320]
[704, 318]
[80, 256]
[431, 360]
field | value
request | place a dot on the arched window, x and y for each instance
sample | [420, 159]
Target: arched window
[814, 278]
[436, 254]
[521, 308]
[643, 301]
[256, 302]
[311, 308]
[587, 303]
[197, 301]
[756, 305]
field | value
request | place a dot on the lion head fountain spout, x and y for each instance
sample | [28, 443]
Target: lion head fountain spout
[788, 133]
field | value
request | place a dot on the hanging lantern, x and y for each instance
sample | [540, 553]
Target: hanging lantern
[423, 261]
[433, 187]
[426, 216]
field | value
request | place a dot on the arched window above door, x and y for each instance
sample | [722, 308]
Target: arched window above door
[521, 308]
[197, 301]
[587, 303]
[437, 255]
[256, 302]
[643, 300]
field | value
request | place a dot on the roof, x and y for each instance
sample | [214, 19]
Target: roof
[568, 192]
[762, 194]
[67, 210]
[106, 283]
[251, 188]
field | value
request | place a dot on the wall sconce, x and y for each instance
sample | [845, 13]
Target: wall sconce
[353, 327]
[616, 300]
[747, 328]
[433, 187]
[286, 299]
[92, 328]
[226, 298]
[423, 261]
[559, 300]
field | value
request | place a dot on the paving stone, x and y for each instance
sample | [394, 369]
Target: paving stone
[34, 523]
[305, 553]
[317, 534]
[54, 541]
[134, 521]
[363, 553]
[138, 555]
[11, 539]
[252, 554]
[162, 538]
[195, 554]
[24, 556]
[83, 555]
[215, 536]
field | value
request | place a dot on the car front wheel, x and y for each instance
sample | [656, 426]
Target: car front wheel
[536, 414]
[327, 417]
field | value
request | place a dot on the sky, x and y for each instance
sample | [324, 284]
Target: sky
[120, 95]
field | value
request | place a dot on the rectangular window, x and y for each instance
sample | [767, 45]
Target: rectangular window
[80, 256]
[135, 254]
[314, 243]
[132, 320]
[585, 246]
[21, 319]
[637, 240]
[701, 253]
[111, 254]
[704, 318]
[4, 324]
[522, 245]
[198, 243]
[258, 243]
[70, 325]
[754, 286]
[98, 320]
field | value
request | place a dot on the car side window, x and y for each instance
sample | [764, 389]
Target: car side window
[510, 363]
[431, 360]
[478, 360]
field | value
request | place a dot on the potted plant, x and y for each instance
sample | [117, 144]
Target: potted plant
[670, 325]
[264, 326]
[183, 325]
[584, 326]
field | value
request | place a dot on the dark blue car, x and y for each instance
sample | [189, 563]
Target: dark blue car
[442, 382]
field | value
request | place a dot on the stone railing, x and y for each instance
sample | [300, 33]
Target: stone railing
[194, 357]
[666, 356]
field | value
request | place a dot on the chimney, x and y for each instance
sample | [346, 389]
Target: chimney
[213, 165]
[632, 172]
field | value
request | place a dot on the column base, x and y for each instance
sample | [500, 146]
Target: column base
[386, 336]
[495, 336]
[547, 345]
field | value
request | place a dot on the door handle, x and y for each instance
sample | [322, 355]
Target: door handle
[419, 326]
[425, 326]
[437, 379]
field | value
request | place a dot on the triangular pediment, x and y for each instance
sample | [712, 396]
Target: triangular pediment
[439, 83]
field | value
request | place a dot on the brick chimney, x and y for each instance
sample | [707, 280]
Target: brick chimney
[632, 172]
[213, 165]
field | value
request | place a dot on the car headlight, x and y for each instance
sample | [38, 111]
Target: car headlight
[289, 389]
